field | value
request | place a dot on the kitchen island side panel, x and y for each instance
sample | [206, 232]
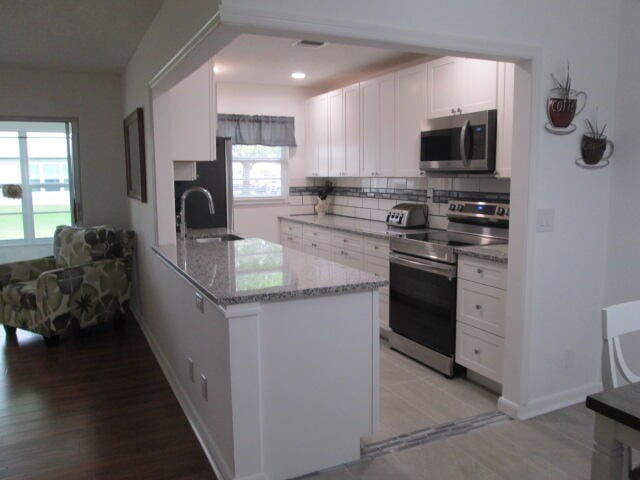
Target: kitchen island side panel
[319, 371]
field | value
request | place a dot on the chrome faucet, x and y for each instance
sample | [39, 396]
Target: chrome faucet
[183, 209]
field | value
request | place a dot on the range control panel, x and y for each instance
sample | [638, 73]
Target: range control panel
[479, 210]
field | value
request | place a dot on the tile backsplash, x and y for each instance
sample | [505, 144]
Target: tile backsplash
[371, 198]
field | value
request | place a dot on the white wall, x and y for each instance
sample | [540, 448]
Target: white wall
[623, 260]
[257, 99]
[96, 100]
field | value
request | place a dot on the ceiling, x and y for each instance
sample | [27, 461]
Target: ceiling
[272, 60]
[73, 34]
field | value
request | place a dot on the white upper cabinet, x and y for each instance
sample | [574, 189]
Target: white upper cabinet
[378, 123]
[480, 85]
[505, 131]
[317, 135]
[461, 85]
[337, 147]
[351, 96]
[194, 117]
[445, 81]
[370, 124]
[388, 126]
[411, 108]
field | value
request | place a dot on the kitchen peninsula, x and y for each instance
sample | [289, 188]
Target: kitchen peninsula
[275, 355]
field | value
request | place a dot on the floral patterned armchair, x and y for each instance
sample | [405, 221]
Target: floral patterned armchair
[87, 280]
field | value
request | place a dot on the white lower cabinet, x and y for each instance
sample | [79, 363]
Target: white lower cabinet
[353, 250]
[481, 316]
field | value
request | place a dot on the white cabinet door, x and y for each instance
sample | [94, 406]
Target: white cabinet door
[317, 135]
[505, 103]
[310, 151]
[388, 126]
[378, 122]
[370, 122]
[351, 98]
[322, 129]
[193, 117]
[337, 164]
[479, 89]
[411, 103]
[445, 82]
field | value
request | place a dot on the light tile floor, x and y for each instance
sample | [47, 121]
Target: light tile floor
[413, 397]
[555, 446]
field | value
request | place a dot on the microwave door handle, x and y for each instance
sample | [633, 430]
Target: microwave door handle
[463, 143]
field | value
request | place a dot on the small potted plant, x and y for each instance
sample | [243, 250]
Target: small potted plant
[12, 191]
[563, 102]
[594, 144]
[322, 205]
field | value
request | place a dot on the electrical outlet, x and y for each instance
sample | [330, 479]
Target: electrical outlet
[199, 302]
[545, 220]
[203, 387]
[191, 374]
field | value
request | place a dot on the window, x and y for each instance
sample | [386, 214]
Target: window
[259, 172]
[35, 155]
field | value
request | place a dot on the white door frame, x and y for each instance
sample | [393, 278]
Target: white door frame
[232, 20]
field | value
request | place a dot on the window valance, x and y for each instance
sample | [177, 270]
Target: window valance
[257, 130]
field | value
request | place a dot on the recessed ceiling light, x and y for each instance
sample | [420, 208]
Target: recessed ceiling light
[216, 69]
[298, 75]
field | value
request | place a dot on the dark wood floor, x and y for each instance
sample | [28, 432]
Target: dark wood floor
[95, 407]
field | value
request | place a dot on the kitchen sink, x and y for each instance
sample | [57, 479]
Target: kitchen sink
[219, 238]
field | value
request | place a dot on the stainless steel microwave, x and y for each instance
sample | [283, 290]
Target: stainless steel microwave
[466, 145]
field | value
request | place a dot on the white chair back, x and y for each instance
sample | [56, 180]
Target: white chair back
[618, 320]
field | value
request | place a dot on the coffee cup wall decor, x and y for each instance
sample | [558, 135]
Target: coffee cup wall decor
[593, 147]
[563, 104]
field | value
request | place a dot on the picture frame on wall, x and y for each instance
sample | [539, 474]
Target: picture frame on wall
[134, 154]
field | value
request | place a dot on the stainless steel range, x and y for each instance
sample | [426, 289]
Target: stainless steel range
[423, 280]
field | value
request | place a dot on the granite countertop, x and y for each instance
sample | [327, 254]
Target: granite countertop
[494, 253]
[372, 228]
[255, 270]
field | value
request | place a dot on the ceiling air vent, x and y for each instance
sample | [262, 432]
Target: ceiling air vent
[309, 44]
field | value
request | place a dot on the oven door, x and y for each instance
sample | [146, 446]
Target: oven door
[422, 302]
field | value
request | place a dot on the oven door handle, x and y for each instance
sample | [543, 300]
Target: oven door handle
[463, 142]
[443, 270]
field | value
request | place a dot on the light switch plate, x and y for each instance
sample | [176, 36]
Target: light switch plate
[199, 302]
[545, 220]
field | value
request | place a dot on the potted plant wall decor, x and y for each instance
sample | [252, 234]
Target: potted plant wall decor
[562, 105]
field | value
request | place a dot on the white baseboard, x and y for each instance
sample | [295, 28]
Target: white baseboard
[548, 403]
[220, 467]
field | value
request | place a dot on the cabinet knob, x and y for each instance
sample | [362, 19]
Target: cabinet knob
[478, 307]
[453, 110]
[476, 351]
[480, 271]
[459, 111]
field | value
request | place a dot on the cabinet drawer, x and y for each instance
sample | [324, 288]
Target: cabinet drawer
[481, 306]
[291, 241]
[347, 257]
[376, 248]
[317, 234]
[314, 247]
[291, 228]
[479, 351]
[348, 241]
[482, 271]
[378, 266]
